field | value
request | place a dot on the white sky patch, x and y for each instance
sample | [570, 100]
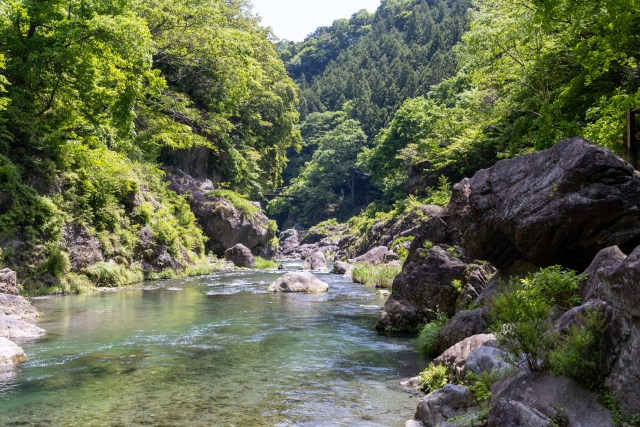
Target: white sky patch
[295, 19]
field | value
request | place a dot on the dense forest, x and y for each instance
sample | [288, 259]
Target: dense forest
[386, 92]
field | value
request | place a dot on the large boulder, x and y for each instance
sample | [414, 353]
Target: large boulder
[17, 307]
[424, 287]
[620, 284]
[299, 282]
[315, 261]
[624, 380]
[464, 324]
[8, 282]
[13, 328]
[375, 256]
[289, 239]
[608, 257]
[486, 359]
[558, 206]
[340, 267]
[455, 357]
[84, 249]
[444, 404]
[10, 353]
[240, 256]
[538, 399]
[224, 224]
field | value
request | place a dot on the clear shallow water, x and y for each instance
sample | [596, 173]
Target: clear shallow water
[212, 351]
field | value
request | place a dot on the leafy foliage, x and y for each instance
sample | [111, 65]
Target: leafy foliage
[433, 378]
[380, 276]
[428, 333]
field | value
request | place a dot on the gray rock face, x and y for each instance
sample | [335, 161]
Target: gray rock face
[8, 282]
[608, 257]
[17, 307]
[289, 239]
[241, 256]
[299, 282]
[375, 256]
[455, 357]
[532, 399]
[620, 284]
[13, 328]
[624, 380]
[10, 353]
[421, 289]
[315, 261]
[83, 248]
[558, 206]
[340, 267]
[223, 223]
[444, 404]
[486, 359]
[464, 324]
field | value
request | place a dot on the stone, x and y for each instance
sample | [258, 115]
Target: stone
[13, 328]
[299, 282]
[455, 357]
[241, 256]
[445, 403]
[624, 380]
[17, 307]
[474, 287]
[413, 423]
[486, 359]
[375, 256]
[620, 284]
[464, 324]
[315, 261]
[340, 267]
[533, 399]
[558, 206]
[607, 257]
[224, 224]
[8, 282]
[10, 353]
[84, 248]
[383, 292]
[424, 287]
[289, 239]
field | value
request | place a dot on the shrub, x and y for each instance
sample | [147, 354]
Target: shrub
[439, 196]
[239, 202]
[111, 275]
[266, 264]
[58, 263]
[380, 276]
[167, 273]
[557, 286]
[398, 246]
[580, 353]
[433, 378]
[480, 385]
[427, 336]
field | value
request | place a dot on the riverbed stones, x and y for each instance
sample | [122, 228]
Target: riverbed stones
[13, 328]
[11, 353]
[446, 403]
[241, 256]
[17, 307]
[315, 261]
[558, 206]
[340, 267]
[299, 281]
[8, 282]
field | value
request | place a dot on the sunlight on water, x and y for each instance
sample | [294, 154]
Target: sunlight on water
[213, 351]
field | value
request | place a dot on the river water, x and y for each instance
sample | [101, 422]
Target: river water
[218, 350]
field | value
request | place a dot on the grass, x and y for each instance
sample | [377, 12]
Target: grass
[266, 264]
[380, 276]
[427, 336]
[113, 275]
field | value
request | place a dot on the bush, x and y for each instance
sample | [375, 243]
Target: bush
[239, 202]
[112, 275]
[266, 264]
[427, 336]
[480, 385]
[580, 353]
[398, 247]
[380, 276]
[433, 378]
[519, 313]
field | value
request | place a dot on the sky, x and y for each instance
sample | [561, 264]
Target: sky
[295, 19]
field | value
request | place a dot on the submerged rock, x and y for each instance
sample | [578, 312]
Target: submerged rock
[558, 206]
[241, 256]
[299, 282]
[340, 267]
[11, 353]
[315, 261]
[14, 328]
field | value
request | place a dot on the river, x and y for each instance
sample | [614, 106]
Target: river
[218, 350]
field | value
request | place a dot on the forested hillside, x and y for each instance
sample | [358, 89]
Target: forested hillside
[360, 69]
[527, 74]
[96, 97]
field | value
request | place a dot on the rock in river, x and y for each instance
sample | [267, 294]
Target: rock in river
[17, 307]
[315, 261]
[299, 282]
[14, 328]
[10, 353]
[241, 256]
